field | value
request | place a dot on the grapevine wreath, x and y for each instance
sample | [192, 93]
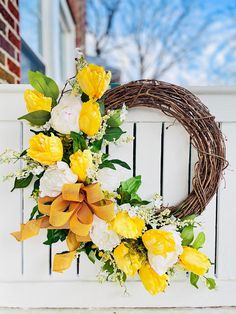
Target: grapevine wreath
[81, 196]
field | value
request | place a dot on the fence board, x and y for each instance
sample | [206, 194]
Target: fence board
[11, 206]
[158, 149]
[226, 211]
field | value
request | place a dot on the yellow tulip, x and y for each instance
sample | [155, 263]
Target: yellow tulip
[126, 226]
[129, 261]
[159, 242]
[45, 149]
[152, 282]
[194, 261]
[93, 80]
[37, 101]
[80, 163]
[63, 261]
[90, 118]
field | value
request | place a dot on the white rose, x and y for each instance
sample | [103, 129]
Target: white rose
[160, 263]
[104, 238]
[65, 116]
[110, 179]
[54, 178]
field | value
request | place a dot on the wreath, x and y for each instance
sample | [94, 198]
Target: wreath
[80, 195]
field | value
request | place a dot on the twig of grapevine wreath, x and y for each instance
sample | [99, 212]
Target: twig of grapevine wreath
[206, 136]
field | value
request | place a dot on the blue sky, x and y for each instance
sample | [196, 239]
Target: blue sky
[211, 59]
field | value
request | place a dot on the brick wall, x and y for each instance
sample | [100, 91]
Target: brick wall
[78, 10]
[9, 42]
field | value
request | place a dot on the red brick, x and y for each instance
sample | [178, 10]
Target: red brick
[13, 67]
[2, 58]
[5, 45]
[17, 29]
[2, 27]
[7, 17]
[14, 39]
[13, 9]
[4, 75]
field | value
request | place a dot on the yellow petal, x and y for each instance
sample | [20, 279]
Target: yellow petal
[93, 80]
[126, 226]
[63, 261]
[194, 261]
[129, 261]
[28, 230]
[159, 242]
[80, 163]
[37, 101]
[90, 118]
[152, 282]
[47, 150]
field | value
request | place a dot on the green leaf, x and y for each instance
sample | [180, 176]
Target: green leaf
[92, 256]
[187, 235]
[44, 85]
[96, 146]
[22, 183]
[189, 217]
[23, 153]
[114, 85]
[115, 120]
[120, 163]
[34, 211]
[108, 266]
[39, 117]
[199, 241]
[113, 134]
[55, 235]
[107, 164]
[84, 97]
[78, 141]
[131, 185]
[194, 279]
[101, 107]
[210, 283]
[124, 197]
[136, 200]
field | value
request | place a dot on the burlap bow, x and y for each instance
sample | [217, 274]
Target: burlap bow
[73, 210]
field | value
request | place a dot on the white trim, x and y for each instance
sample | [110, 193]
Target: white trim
[51, 16]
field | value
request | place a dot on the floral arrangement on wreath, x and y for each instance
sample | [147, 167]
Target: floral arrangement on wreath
[80, 195]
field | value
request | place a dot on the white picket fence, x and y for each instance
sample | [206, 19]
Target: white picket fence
[162, 154]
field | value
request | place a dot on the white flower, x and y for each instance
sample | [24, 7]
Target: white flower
[54, 178]
[123, 113]
[160, 263]
[110, 179]
[65, 116]
[104, 238]
[36, 171]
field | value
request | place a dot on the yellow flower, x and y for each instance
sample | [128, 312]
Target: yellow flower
[80, 163]
[159, 242]
[45, 149]
[93, 80]
[126, 226]
[129, 261]
[152, 282]
[194, 261]
[90, 118]
[37, 101]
